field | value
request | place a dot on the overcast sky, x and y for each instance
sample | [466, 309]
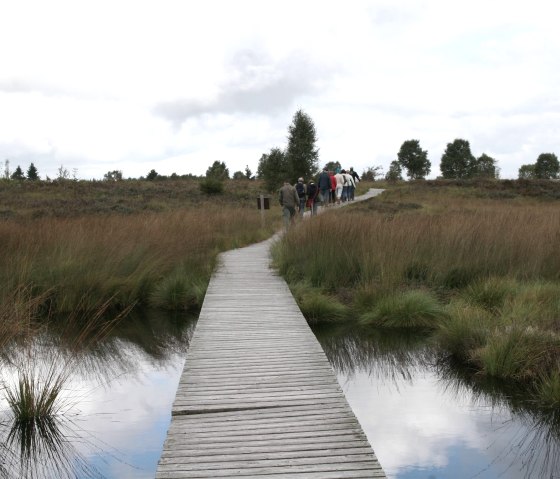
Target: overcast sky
[175, 85]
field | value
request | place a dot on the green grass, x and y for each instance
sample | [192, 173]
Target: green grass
[409, 309]
[318, 306]
[476, 262]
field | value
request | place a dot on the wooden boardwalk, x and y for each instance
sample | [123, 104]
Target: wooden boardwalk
[257, 397]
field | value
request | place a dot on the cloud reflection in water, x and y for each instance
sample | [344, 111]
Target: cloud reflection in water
[425, 421]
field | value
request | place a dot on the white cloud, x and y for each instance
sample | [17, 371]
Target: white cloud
[170, 85]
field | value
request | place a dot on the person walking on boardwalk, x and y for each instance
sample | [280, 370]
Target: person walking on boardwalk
[339, 185]
[300, 189]
[333, 187]
[289, 201]
[324, 183]
[312, 192]
[356, 179]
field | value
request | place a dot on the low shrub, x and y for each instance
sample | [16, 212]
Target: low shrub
[212, 186]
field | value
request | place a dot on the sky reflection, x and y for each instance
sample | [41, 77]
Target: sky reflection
[424, 424]
[119, 399]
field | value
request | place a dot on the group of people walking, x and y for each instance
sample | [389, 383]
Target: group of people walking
[332, 187]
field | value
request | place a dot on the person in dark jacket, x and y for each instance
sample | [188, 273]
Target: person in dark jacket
[356, 179]
[300, 190]
[312, 192]
[324, 184]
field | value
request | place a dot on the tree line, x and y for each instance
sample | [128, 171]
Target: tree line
[300, 158]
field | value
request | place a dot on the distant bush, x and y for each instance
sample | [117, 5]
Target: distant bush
[212, 186]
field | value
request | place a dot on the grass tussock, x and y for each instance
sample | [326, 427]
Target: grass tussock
[409, 309]
[318, 306]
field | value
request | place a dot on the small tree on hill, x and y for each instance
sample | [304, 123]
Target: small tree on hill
[395, 172]
[414, 159]
[547, 166]
[248, 172]
[18, 174]
[527, 172]
[371, 173]
[239, 175]
[218, 171]
[302, 155]
[484, 167]
[457, 160]
[32, 173]
[273, 169]
[152, 175]
[115, 175]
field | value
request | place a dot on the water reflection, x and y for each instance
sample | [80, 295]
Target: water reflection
[119, 395]
[429, 419]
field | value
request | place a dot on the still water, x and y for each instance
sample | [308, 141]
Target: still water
[427, 420]
[116, 405]
[424, 420]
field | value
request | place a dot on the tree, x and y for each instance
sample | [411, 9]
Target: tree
[218, 171]
[239, 175]
[63, 173]
[371, 173]
[7, 169]
[32, 173]
[248, 172]
[333, 166]
[18, 174]
[547, 166]
[395, 172]
[152, 175]
[273, 169]
[115, 175]
[414, 160]
[457, 160]
[527, 172]
[302, 155]
[484, 167]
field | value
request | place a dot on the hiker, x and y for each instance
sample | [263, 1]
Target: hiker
[324, 184]
[339, 184]
[350, 185]
[333, 187]
[289, 200]
[312, 192]
[300, 190]
[356, 179]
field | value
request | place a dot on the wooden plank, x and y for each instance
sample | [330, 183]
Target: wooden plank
[257, 397]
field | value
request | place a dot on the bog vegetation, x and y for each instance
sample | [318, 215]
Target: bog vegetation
[75, 245]
[474, 264]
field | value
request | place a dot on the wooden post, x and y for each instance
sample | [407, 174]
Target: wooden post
[262, 210]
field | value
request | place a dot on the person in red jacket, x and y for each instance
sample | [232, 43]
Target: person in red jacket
[333, 187]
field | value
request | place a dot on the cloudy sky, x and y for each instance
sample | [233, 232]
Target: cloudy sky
[174, 85]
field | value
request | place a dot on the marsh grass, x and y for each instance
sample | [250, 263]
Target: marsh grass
[409, 309]
[34, 391]
[159, 259]
[487, 265]
[317, 305]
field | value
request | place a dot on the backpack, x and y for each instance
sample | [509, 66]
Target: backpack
[300, 189]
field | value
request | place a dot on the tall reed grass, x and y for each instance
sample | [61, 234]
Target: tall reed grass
[448, 250]
[160, 259]
[483, 274]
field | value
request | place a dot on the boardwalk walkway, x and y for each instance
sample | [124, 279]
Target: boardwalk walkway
[257, 397]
